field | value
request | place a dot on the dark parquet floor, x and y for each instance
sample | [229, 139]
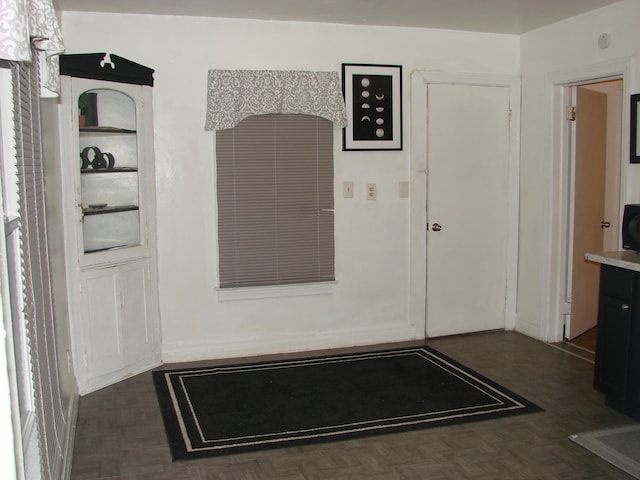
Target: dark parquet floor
[120, 435]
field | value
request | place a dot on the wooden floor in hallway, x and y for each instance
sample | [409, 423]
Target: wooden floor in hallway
[120, 435]
[587, 340]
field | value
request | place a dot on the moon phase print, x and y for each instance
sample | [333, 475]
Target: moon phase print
[373, 96]
[372, 104]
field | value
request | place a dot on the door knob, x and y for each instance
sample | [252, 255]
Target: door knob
[436, 227]
[604, 224]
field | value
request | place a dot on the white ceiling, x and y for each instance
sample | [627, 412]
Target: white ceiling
[498, 16]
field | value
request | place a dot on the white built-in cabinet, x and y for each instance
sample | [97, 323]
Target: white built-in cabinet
[101, 214]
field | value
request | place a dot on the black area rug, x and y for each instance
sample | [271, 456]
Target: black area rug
[229, 409]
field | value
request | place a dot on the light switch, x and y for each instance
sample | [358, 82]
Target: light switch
[347, 189]
[371, 191]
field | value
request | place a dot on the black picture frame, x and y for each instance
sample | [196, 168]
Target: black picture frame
[634, 151]
[373, 98]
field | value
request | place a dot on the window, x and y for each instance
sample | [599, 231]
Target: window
[26, 273]
[275, 201]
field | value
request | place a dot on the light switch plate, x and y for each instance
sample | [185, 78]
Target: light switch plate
[347, 189]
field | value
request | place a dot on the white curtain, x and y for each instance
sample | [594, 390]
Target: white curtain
[233, 95]
[24, 23]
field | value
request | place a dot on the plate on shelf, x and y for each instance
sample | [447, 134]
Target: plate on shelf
[97, 205]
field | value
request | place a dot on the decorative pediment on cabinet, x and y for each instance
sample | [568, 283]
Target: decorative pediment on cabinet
[105, 66]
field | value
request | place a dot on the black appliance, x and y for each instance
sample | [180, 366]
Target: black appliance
[631, 227]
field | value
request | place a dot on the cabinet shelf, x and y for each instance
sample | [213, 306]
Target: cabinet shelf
[90, 130]
[109, 170]
[108, 209]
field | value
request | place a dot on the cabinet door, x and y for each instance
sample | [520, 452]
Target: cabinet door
[119, 324]
[102, 335]
[137, 328]
[612, 356]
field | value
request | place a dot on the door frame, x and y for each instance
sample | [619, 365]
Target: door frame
[558, 96]
[420, 80]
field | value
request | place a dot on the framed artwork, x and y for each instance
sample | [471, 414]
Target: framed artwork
[634, 152]
[373, 98]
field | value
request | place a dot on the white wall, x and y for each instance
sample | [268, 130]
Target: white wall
[370, 301]
[566, 50]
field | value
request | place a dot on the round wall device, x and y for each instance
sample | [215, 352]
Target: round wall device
[604, 40]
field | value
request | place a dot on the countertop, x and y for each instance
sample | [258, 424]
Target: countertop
[628, 259]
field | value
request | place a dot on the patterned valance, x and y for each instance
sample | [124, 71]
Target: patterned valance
[236, 94]
[27, 23]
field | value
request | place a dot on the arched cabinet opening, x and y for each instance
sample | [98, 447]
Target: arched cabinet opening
[108, 145]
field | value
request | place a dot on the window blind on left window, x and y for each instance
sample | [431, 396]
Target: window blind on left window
[275, 201]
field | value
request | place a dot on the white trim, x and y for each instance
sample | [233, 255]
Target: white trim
[69, 437]
[570, 100]
[418, 170]
[10, 438]
[276, 291]
[31, 447]
[554, 256]
[13, 465]
[418, 212]
[284, 343]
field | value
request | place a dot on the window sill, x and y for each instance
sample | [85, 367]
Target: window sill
[276, 291]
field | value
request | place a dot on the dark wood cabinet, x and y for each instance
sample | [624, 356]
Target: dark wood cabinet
[617, 368]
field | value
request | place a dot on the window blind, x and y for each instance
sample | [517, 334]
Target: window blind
[275, 201]
[36, 279]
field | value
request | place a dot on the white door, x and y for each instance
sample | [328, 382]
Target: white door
[467, 207]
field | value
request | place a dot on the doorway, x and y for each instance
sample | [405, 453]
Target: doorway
[595, 132]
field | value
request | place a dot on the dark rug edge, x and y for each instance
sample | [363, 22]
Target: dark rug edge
[179, 452]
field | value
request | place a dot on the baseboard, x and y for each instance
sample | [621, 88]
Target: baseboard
[530, 330]
[175, 352]
[67, 453]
